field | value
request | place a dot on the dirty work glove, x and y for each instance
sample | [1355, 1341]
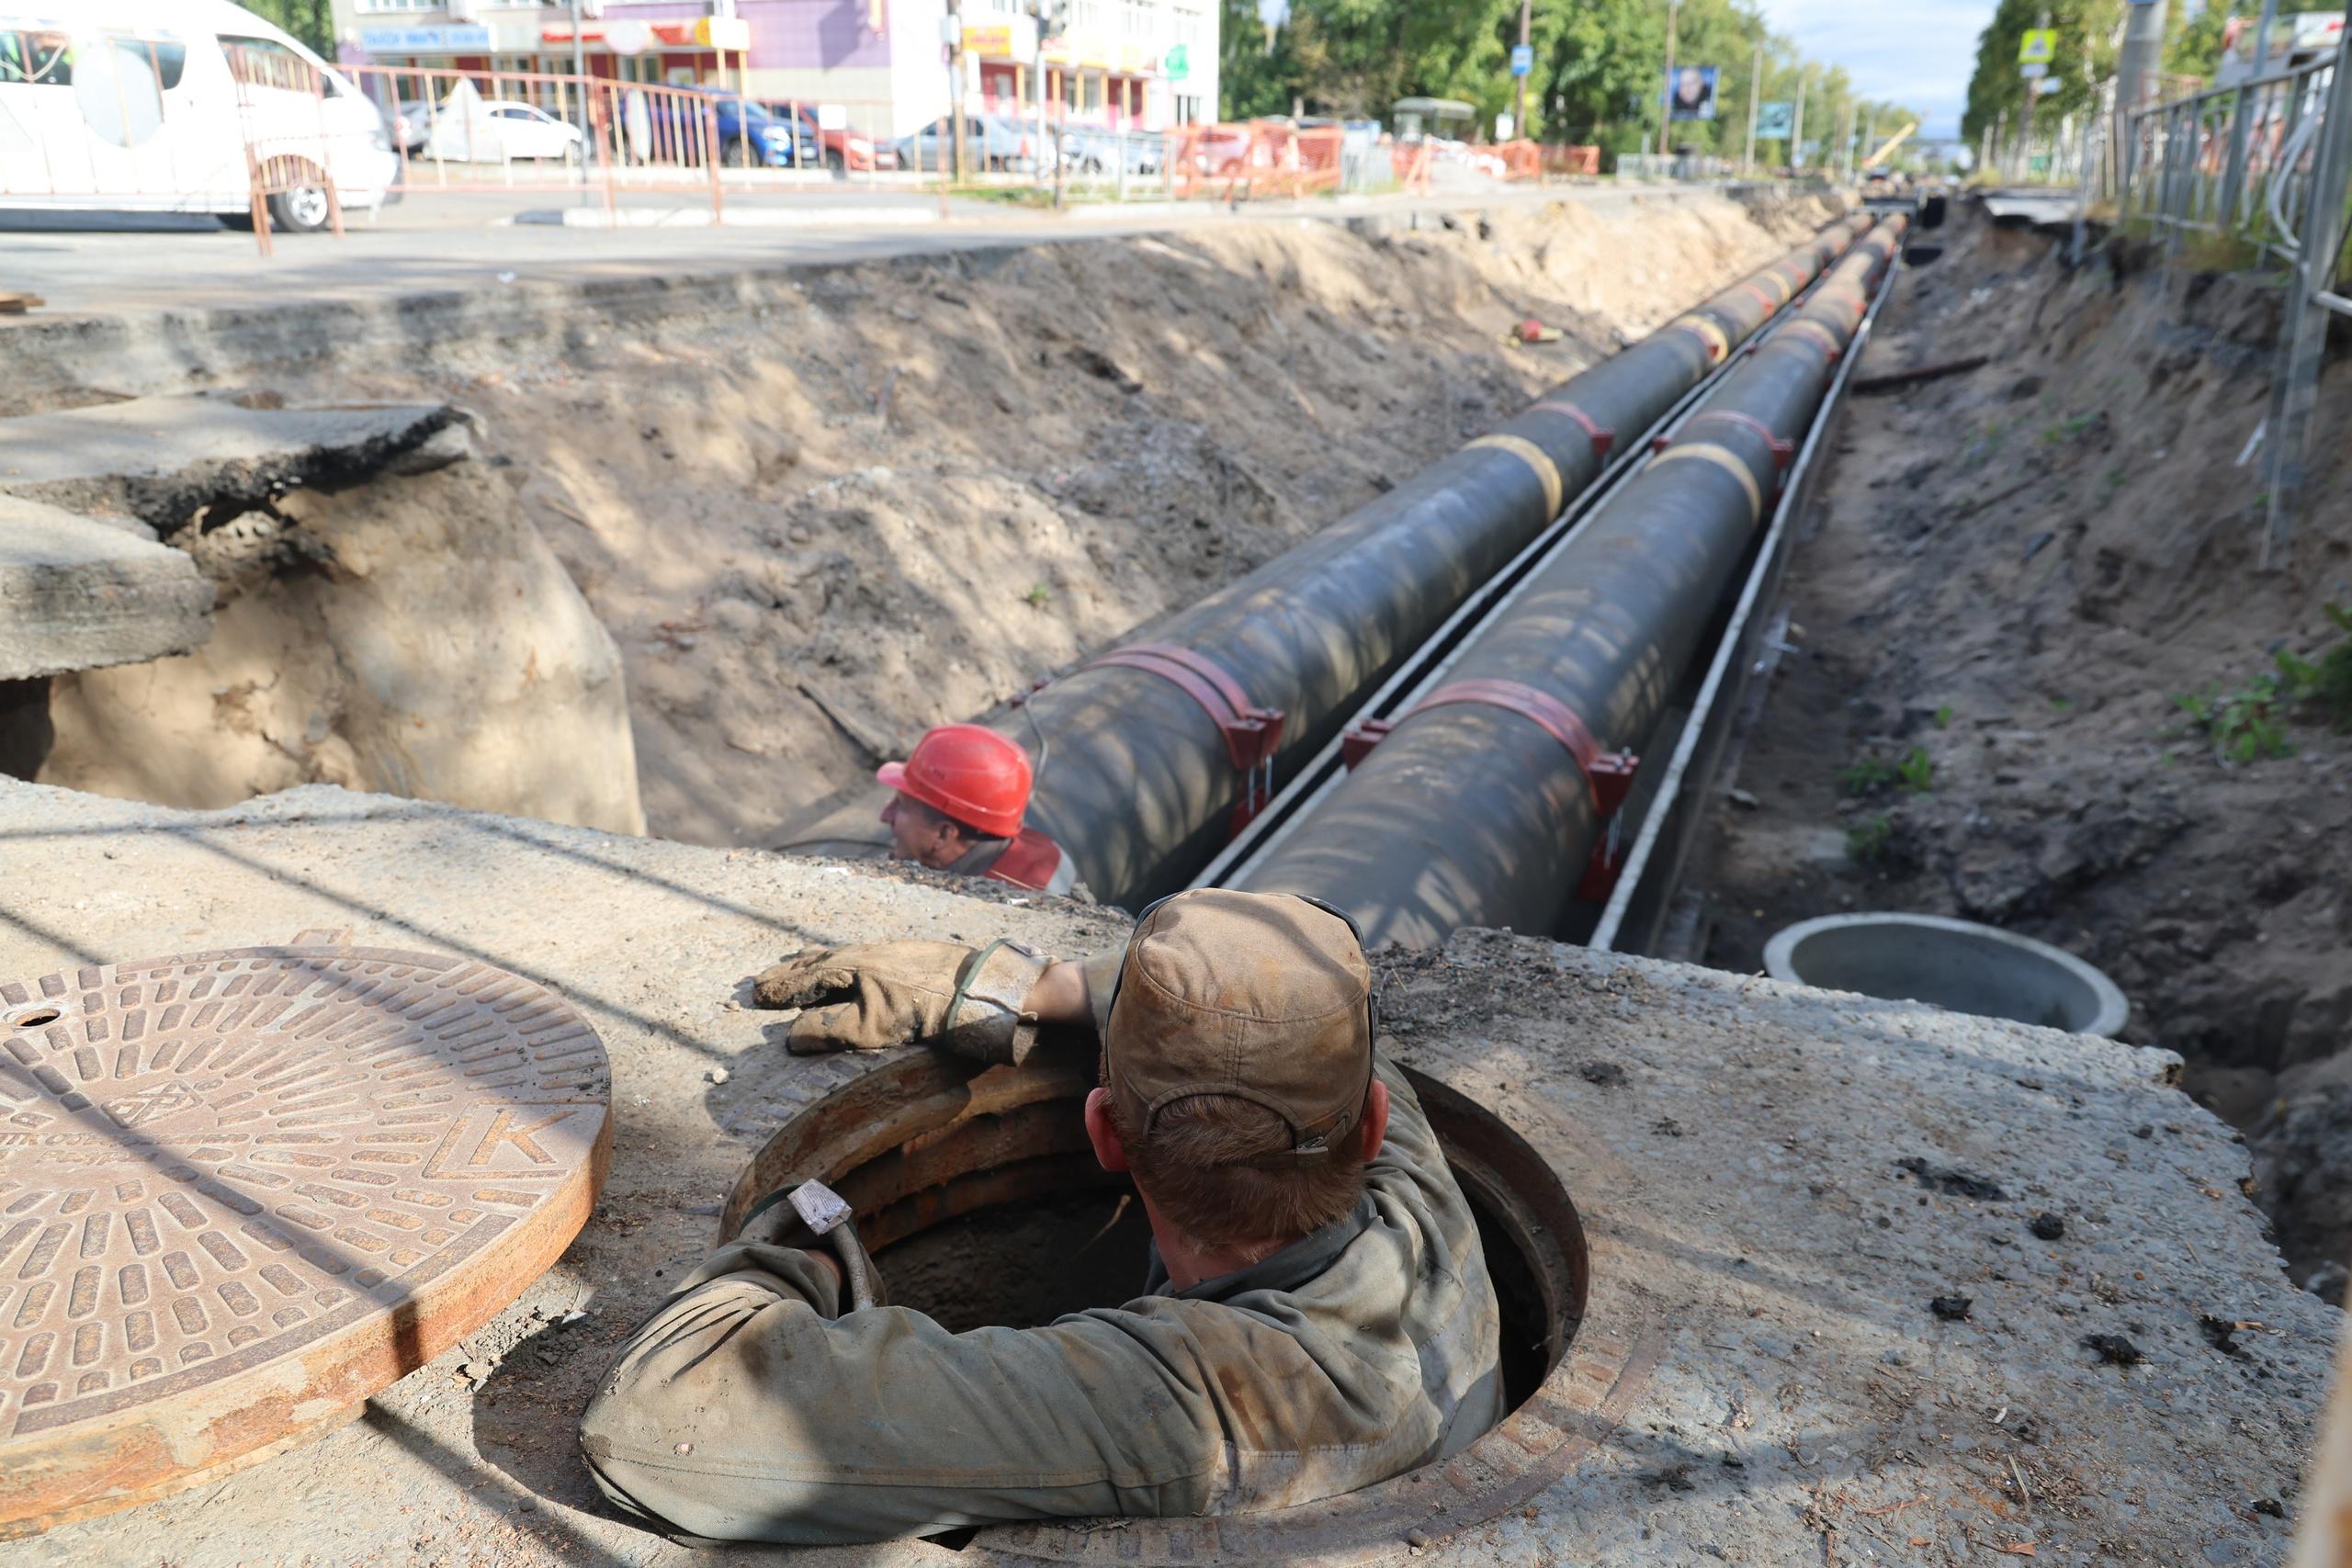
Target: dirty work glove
[779, 1220]
[876, 995]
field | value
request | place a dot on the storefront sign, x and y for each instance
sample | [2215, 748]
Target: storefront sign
[1178, 64]
[723, 33]
[1014, 40]
[461, 40]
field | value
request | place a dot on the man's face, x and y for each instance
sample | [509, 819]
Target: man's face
[919, 833]
[1692, 87]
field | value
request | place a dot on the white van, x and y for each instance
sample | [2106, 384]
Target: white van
[153, 106]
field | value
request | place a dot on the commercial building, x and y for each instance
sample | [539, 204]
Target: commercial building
[1145, 64]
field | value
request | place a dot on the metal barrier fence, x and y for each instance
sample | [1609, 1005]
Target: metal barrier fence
[1258, 158]
[2229, 161]
[1672, 166]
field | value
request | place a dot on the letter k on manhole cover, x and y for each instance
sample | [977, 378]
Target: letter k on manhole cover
[240, 1191]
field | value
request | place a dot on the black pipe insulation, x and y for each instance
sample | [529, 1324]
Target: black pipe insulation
[1142, 779]
[1481, 804]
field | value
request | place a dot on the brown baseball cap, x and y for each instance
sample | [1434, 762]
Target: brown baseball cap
[1264, 997]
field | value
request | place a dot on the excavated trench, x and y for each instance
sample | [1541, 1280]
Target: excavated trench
[2021, 584]
[803, 515]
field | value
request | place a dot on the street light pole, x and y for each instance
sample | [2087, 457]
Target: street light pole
[1755, 91]
[1796, 125]
[1666, 98]
[1518, 109]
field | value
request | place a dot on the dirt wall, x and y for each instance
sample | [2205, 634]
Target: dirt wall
[411, 634]
[821, 515]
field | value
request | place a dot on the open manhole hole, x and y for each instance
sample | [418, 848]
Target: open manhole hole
[979, 1194]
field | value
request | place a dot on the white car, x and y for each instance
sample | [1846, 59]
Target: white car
[157, 106]
[525, 130]
[466, 128]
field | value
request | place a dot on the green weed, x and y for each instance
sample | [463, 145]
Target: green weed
[2250, 723]
[1867, 840]
[1944, 717]
[1039, 595]
[1914, 772]
[1865, 775]
[2066, 430]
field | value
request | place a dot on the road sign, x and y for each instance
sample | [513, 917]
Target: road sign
[2039, 46]
[1523, 59]
[2034, 72]
[1775, 120]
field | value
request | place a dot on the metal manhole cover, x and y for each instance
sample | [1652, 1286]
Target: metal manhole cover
[242, 1190]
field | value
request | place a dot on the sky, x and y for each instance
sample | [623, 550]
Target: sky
[1915, 53]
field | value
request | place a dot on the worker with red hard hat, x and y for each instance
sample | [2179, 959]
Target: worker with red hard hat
[961, 793]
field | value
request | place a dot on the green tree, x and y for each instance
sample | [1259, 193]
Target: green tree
[2089, 35]
[313, 21]
[1253, 75]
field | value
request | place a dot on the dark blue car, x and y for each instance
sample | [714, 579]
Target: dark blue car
[749, 136]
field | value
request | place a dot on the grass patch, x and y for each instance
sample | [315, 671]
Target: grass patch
[2249, 724]
[1914, 773]
[1867, 840]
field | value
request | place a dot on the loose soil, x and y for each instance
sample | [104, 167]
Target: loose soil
[2011, 578]
[896, 492]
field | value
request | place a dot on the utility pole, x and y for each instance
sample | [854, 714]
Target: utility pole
[955, 90]
[580, 70]
[2033, 97]
[2143, 48]
[1796, 125]
[1666, 98]
[1755, 91]
[2240, 116]
[1519, 108]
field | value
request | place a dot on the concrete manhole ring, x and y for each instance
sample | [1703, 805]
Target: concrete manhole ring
[918, 1139]
[242, 1190]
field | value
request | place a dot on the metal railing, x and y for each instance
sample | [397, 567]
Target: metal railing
[2229, 162]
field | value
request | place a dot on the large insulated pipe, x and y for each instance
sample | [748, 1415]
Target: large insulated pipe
[1481, 804]
[1152, 745]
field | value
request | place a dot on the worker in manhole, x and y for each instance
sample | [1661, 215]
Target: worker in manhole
[1314, 1314]
[960, 797]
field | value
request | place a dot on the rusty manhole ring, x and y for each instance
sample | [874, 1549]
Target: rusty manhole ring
[922, 1139]
[242, 1190]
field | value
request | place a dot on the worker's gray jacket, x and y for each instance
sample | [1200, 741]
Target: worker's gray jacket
[752, 1408]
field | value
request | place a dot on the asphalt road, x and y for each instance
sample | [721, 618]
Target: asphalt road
[123, 265]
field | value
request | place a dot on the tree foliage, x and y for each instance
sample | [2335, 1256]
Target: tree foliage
[313, 21]
[1599, 72]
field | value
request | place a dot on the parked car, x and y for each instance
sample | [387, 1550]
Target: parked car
[841, 150]
[466, 128]
[992, 142]
[112, 105]
[527, 131]
[412, 123]
[752, 132]
[1091, 150]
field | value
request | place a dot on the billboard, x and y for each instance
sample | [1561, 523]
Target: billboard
[1776, 121]
[1690, 92]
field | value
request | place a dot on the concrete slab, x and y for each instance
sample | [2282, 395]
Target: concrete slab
[1774, 1185]
[79, 594]
[160, 459]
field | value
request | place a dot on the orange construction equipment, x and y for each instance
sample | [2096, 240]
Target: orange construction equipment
[975, 775]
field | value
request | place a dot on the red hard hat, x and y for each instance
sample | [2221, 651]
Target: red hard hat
[973, 774]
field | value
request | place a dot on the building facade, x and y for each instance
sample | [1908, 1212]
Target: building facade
[1122, 64]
